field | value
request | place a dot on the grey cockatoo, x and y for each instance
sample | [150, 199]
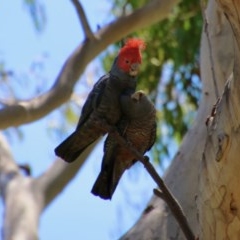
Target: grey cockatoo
[103, 101]
[138, 127]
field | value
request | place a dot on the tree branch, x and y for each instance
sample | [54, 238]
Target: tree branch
[36, 108]
[169, 199]
[231, 9]
[22, 201]
[53, 181]
[83, 20]
[165, 193]
[8, 168]
[25, 197]
[158, 193]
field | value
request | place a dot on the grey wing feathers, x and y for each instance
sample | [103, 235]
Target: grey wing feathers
[93, 99]
[152, 137]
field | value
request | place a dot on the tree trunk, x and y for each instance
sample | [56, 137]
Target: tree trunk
[219, 192]
[204, 175]
[25, 197]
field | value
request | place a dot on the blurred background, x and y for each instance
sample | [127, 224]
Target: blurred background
[36, 38]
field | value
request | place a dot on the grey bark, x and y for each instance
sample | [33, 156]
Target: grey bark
[207, 189]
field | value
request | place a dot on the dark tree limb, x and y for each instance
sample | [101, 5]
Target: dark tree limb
[170, 200]
[158, 193]
[83, 20]
[165, 193]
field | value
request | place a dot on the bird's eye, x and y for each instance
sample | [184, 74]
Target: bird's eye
[127, 61]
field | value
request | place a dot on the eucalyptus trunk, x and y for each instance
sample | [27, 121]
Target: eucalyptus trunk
[204, 175]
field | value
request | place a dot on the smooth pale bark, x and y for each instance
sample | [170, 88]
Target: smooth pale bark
[219, 191]
[204, 175]
[31, 110]
[25, 197]
[21, 206]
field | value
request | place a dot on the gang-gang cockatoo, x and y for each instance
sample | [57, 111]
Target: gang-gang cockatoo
[138, 127]
[103, 101]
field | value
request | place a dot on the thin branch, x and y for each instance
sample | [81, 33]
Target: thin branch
[165, 193]
[158, 193]
[170, 200]
[28, 111]
[21, 200]
[83, 20]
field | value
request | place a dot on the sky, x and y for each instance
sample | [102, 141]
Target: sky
[75, 213]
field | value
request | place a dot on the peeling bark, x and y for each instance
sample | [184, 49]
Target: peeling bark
[219, 192]
[25, 197]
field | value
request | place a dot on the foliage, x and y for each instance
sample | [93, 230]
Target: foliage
[170, 71]
[37, 12]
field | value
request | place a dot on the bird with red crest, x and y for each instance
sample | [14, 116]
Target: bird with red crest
[103, 102]
[137, 126]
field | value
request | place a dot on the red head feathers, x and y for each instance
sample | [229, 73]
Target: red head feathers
[130, 54]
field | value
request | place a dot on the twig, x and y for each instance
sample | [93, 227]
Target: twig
[203, 7]
[83, 20]
[158, 193]
[170, 200]
[165, 193]
[26, 168]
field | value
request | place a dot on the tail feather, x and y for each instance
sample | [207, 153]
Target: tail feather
[72, 147]
[108, 178]
[101, 186]
[105, 185]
